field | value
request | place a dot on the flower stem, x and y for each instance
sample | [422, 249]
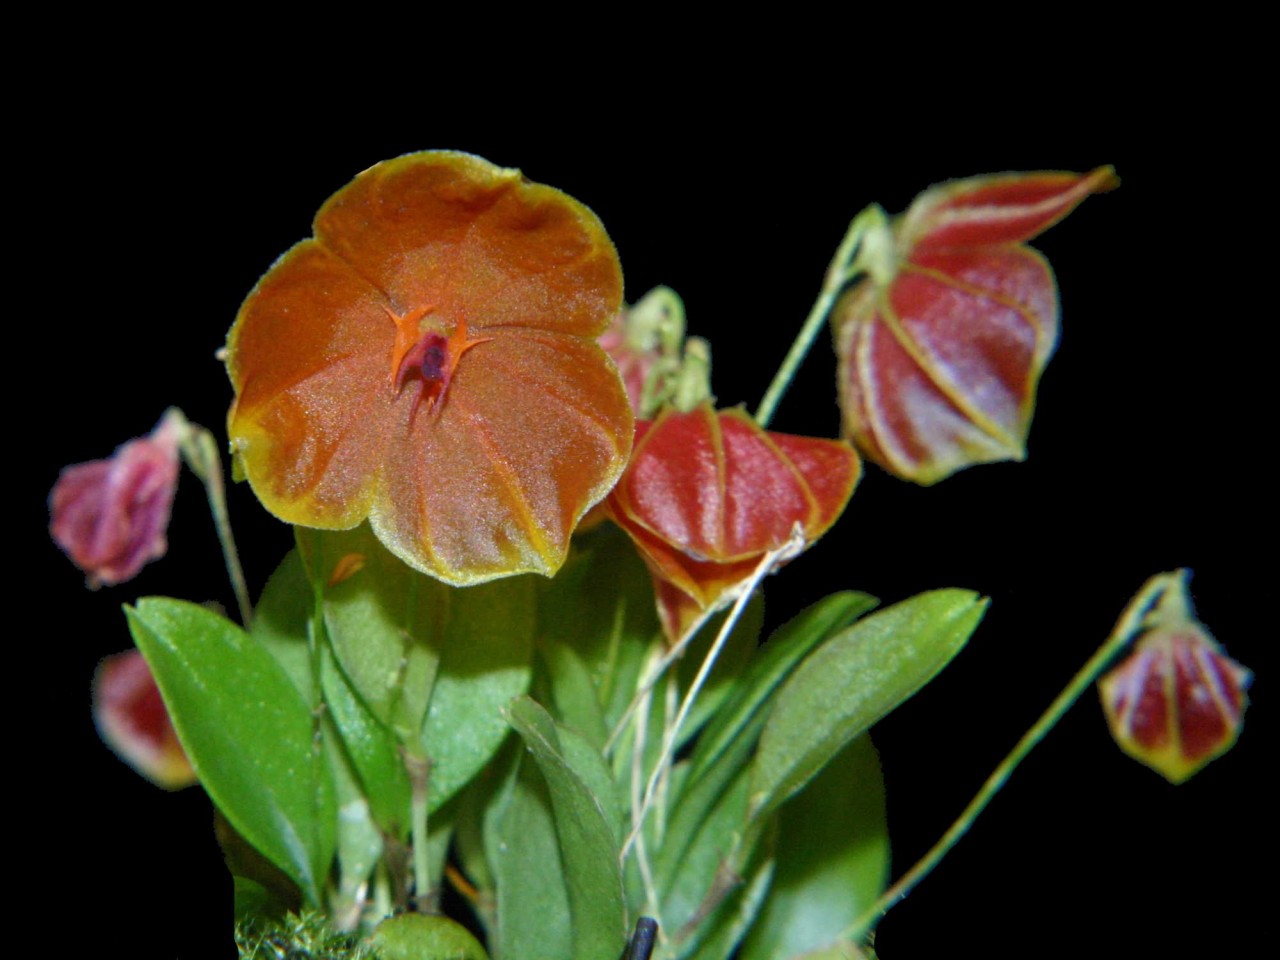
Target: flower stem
[419, 770]
[200, 451]
[844, 267]
[1130, 622]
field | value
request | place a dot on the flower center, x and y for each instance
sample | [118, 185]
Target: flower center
[427, 349]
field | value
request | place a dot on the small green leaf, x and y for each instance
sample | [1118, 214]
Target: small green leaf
[724, 926]
[686, 882]
[836, 861]
[417, 936]
[853, 680]
[601, 606]
[785, 648]
[532, 915]
[249, 735]
[588, 844]
[280, 622]
[386, 622]
[370, 746]
[486, 659]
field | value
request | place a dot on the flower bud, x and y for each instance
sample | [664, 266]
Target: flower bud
[709, 493]
[1178, 701]
[132, 719]
[110, 516]
[644, 341]
[942, 345]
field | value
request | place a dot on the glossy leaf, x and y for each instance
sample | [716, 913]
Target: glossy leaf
[371, 747]
[427, 361]
[788, 645]
[280, 622]
[485, 660]
[717, 936]
[386, 624]
[599, 607]
[532, 913]
[837, 858]
[853, 680]
[249, 735]
[687, 881]
[588, 843]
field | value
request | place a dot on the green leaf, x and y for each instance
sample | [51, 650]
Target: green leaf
[836, 861]
[360, 844]
[785, 648]
[686, 882]
[853, 680]
[738, 651]
[532, 915]
[249, 734]
[416, 936]
[588, 844]
[485, 661]
[370, 747]
[716, 937]
[386, 622]
[600, 605]
[280, 622]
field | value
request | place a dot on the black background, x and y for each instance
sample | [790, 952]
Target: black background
[148, 224]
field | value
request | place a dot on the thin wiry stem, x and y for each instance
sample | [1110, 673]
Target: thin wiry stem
[1130, 622]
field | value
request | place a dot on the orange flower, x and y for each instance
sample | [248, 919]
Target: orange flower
[708, 494]
[428, 361]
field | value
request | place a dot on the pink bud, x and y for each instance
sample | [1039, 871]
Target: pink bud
[110, 516]
[1177, 702]
[132, 719]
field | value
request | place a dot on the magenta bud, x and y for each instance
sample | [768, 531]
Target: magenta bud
[132, 719]
[1177, 702]
[110, 516]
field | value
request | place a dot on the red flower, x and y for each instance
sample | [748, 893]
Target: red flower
[1177, 702]
[428, 361]
[942, 346]
[707, 494]
[132, 719]
[110, 516]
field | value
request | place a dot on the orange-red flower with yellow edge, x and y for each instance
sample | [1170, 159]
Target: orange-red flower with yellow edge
[428, 361]
[709, 493]
[942, 345]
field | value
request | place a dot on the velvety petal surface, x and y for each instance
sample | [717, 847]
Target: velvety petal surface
[428, 361]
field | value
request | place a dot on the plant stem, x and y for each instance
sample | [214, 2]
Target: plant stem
[1130, 622]
[419, 769]
[843, 268]
[201, 454]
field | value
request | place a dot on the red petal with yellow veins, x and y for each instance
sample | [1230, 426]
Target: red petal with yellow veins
[984, 211]
[1177, 702]
[708, 495]
[939, 371]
